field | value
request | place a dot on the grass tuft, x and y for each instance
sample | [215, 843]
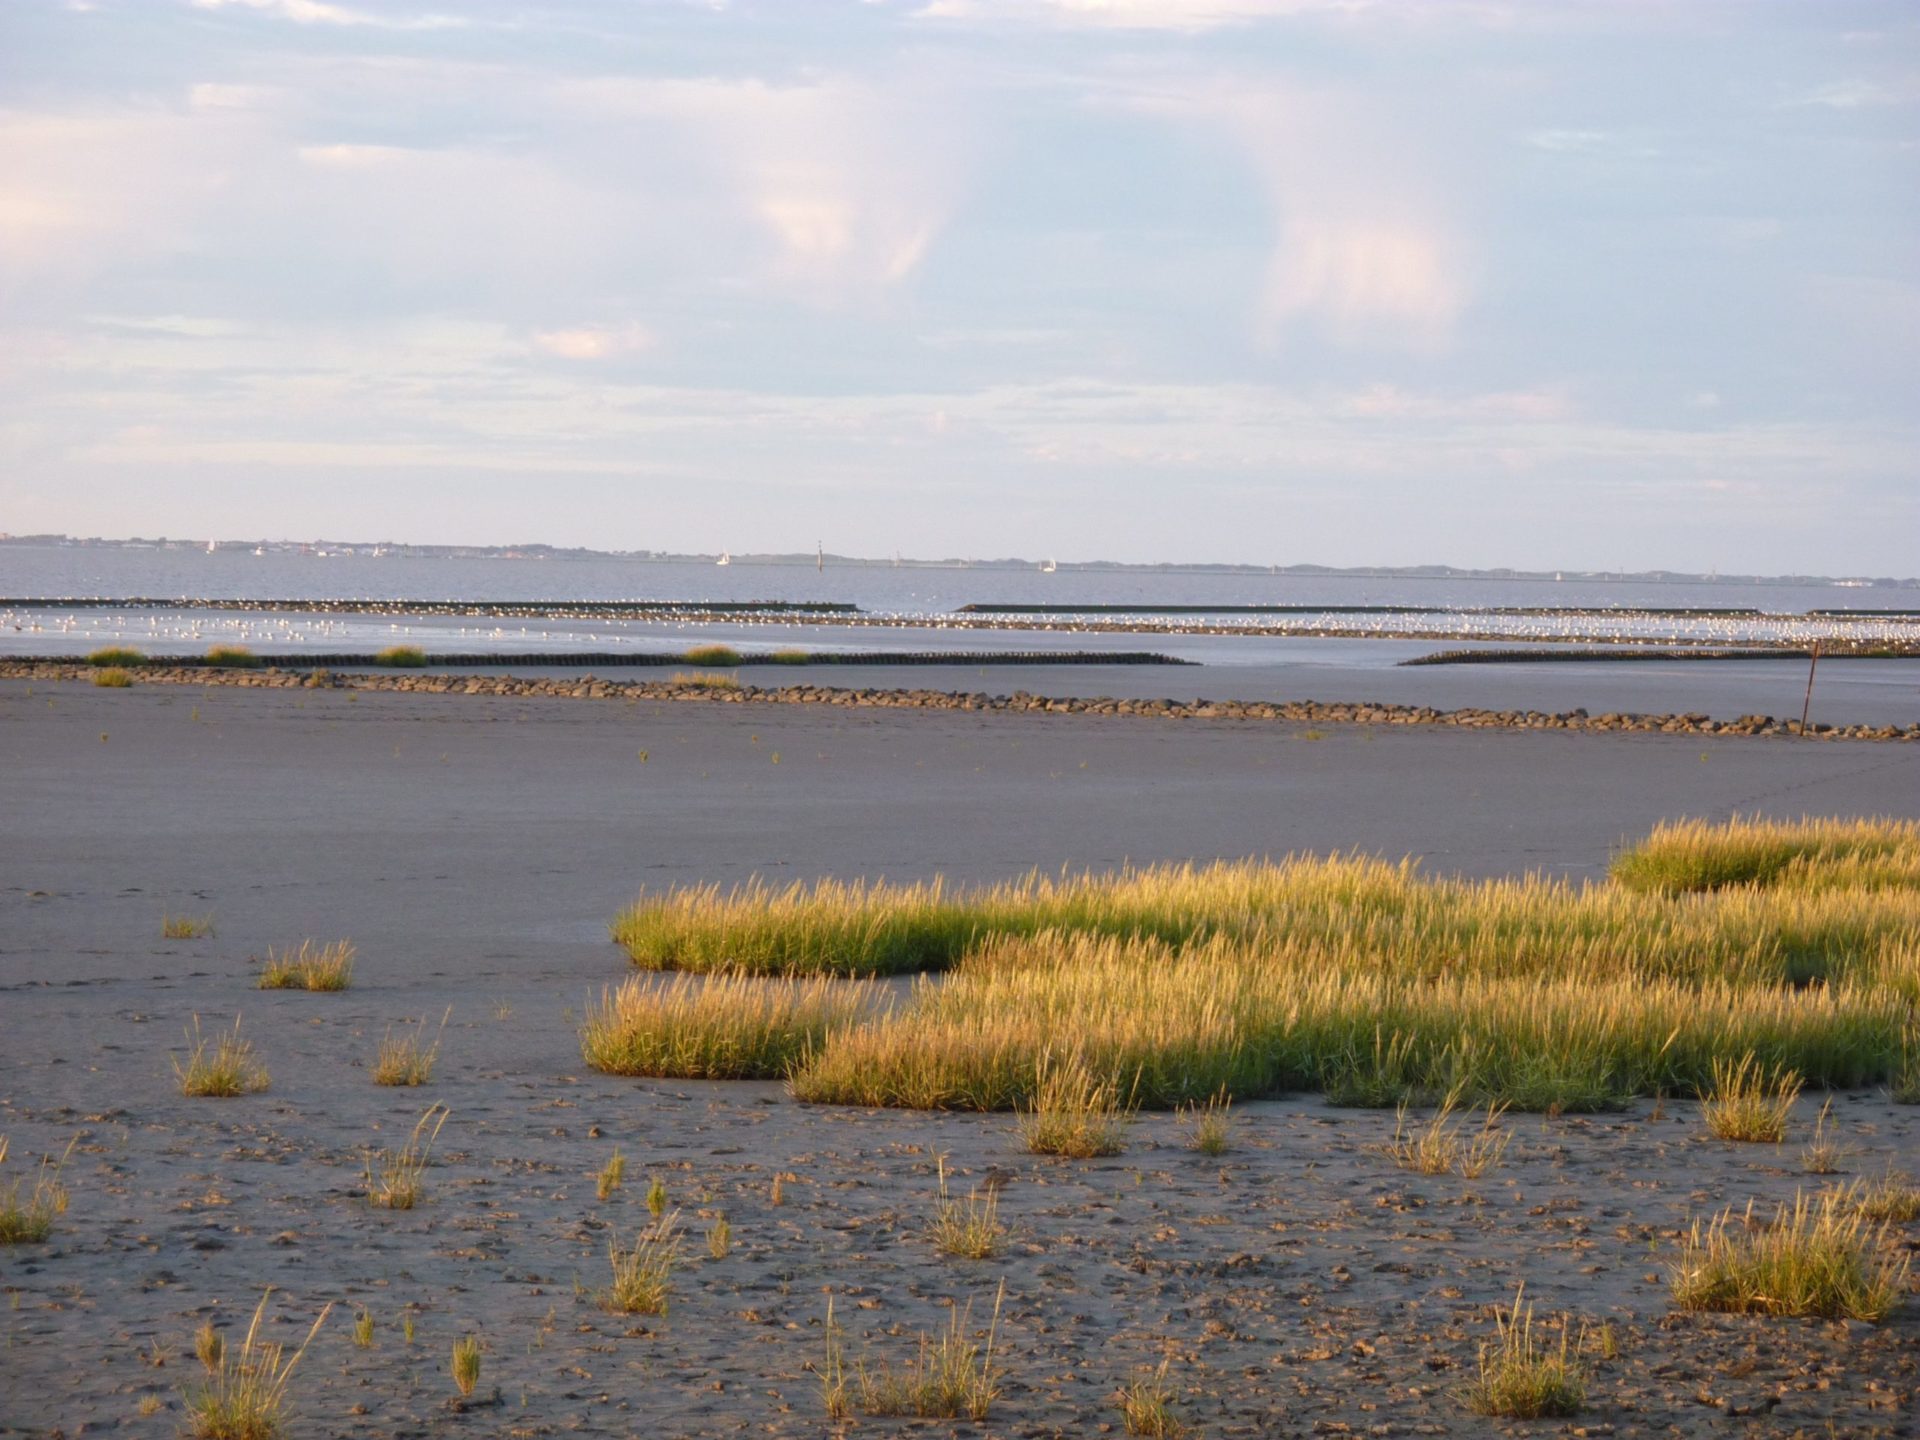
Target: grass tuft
[233, 657]
[643, 1271]
[719, 1238]
[396, 1179]
[27, 1219]
[222, 1067]
[311, 967]
[402, 657]
[185, 927]
[703, 682]
[465, 1364]
[244, 1390]
[968, 1228]
[116, 656]
[1074, 1111]
[1749, 1102]
[1445, 1146]
[611, 1174]
[1893, 1198]
[1818, 1257]
[1523, 1379]
[408, 1059]
[1146, 1406]
[724, 1027]
[712, 655]
[112, 678]
[952, 1374]
[792, 657]
[1822, 1153]
[1210, 1125]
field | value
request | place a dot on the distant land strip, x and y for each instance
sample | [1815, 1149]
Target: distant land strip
[581, 659]
[1676, 611]
[516, 609]
[690, 690]
[1635, 652]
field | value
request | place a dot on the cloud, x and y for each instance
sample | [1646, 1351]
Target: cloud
[1190, 16]
[853, 180]
[595, 342]
[318, 12]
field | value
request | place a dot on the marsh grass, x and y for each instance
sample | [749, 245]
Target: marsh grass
[1146, 1406]
[402, 657]
[642, 1280]
[1793, 854]
[1819, 1257]
[1750, 1102]
[465, 1364]
[703, 681]
[1075, 1111]
[969, 1228]
[611, 1174]
[116, 657]
[208, 1346]
[245, 1389]
[27, 1212]
[1210, 1124]
[222, 1067]
[409, 1058]
[1521, 1377]
[952, 1374]
[1822, 1153]
[719, 1238]
[112, 678]
[396, 1178]
[311, 967]
[792, 657]
[1446, 1145]
[723, 1027]
[1893, 1198]
[233, 657]
[185, 927]
[656, 1197]
[712, 655]
[1903, 1085]
[363, 1330]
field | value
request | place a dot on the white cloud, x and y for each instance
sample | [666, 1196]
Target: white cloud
[318, 12]
[1188, 16]
[597, 342]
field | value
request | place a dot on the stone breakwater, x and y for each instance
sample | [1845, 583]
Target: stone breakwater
[1312, 712]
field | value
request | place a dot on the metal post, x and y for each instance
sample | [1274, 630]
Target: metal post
[1813, 665]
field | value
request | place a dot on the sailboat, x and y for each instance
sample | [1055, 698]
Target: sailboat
[820, 557]
[726, 558]
[1049, 567]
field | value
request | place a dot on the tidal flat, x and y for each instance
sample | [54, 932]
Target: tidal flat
[474, 849]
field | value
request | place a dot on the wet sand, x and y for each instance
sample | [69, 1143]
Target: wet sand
[474, 848]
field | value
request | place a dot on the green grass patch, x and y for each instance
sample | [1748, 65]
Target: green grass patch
[233, 657]
[724, 1027]
[712, 655]
[1819, 1257]
[116, 655]
[112, 678]
[792, 657]
[402, 657]
[311, 967]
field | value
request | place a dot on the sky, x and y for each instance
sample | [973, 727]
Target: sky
[1612, 285]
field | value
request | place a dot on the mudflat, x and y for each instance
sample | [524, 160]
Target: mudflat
[473, 848]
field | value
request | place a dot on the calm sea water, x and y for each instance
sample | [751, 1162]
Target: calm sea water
[33, 571]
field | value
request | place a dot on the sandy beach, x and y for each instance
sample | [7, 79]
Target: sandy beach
[474, 849]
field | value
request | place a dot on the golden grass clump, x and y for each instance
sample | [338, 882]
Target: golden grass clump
[642, 1280]
[719, 1238]
[720, 1027]
[222, 1067]
[712, 655]
[1523, 1379]
[185, 927]
[402, 657]
[703, 681]
[1446, 1145]
[1210, 1125]
[245, 1389]
[792, 657]
[311, 967]
[27, 1219]
[1819, 1257]
[610, 1175]
[465, 1364]
[1892, 1198]
[408, 1059]
[396, 1179]
[233, 657]
[969, 1228]
[1074, 1111]
[952, 1374]
[1749, 1102]
[112, 678]
[116, 657]
[1690, 855]
[1146, 1406]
